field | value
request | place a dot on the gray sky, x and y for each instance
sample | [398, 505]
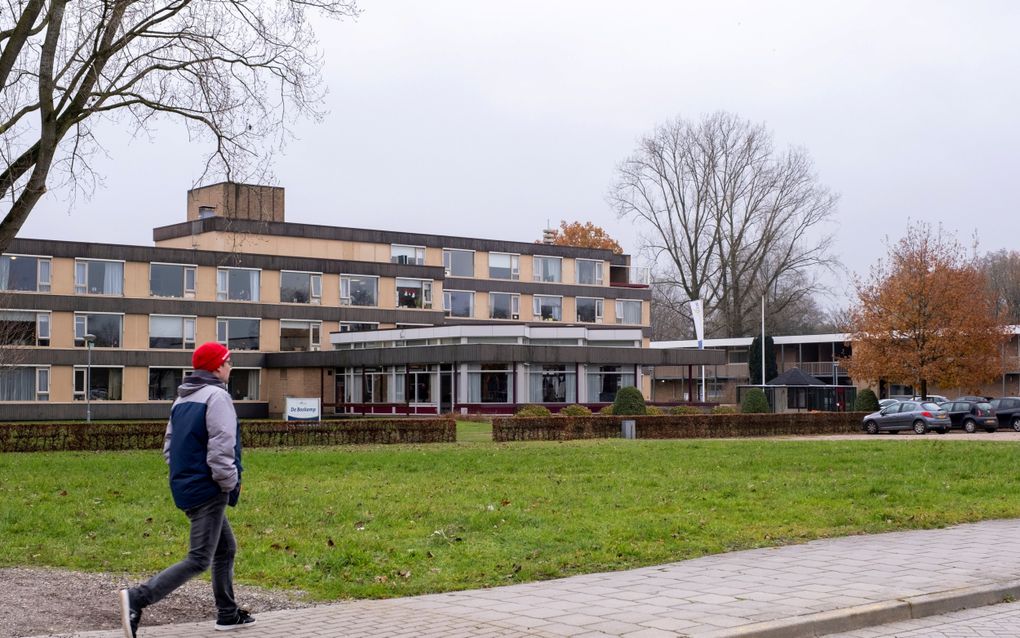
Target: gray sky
[486, 119]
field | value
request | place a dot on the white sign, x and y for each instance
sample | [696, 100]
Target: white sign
[698, 313]
[302, 409]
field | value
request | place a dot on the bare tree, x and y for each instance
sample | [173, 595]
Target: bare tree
[1002, 272]
[235, 71]
[729, 219]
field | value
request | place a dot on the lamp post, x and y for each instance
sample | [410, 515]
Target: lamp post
[89, 340]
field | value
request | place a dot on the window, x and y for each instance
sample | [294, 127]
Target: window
[24, 273]
[407, 254]
[93, 277]
[238, 334]
[299, 336]
[163, 383]
[504, 305]
[459, 263]
[628, 311]
[552, 384]
[107, 329]
[548, 308]
[504, 266]
[300, 287]
[375, 386]
[168, 331]
[459, 303]
[414, 293]
[237, 284]
[417, 386]
[589, 310]
[351, 326]
[359, 290]
[589, 271]
[24, 328]
[548, 269]
[604, 381]
[244, 384]
[106, 384]
[490, 383]
[24, 383]
[172, 280]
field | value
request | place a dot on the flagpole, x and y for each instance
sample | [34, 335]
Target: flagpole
[763, 341]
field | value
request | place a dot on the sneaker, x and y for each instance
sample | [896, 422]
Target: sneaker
[130, 613]
[241, 620]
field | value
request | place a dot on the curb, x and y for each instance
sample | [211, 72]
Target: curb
[862, 616]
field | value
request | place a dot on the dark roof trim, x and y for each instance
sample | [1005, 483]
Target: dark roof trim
[479, 353]
[540, 288]
[340, 233]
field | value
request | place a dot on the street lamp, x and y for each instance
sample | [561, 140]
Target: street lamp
[89, 340]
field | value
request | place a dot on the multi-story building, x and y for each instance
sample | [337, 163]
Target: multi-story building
[818, 355]
[367, 320]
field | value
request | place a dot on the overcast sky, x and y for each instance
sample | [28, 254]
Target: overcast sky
[487, 119]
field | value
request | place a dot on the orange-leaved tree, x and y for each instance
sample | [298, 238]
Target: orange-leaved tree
[586, 235]
[925, 316]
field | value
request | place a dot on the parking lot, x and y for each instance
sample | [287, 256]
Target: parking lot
[955, 435]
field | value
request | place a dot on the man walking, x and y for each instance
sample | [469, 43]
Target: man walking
[203, 449]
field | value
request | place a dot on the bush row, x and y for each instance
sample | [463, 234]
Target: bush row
[48, 437]
[560, 428]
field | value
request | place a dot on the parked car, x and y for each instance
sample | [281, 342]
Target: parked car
[1007, 410]
[972, 398]
[934, 398]
[883, 403]
[971, 415]
[919, 416]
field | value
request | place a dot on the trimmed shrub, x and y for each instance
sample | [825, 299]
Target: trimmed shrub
[606, 410]
[724, 409]
[629, 402]
[754, 402]
[866, 401]
[654, 410]
[684, 409]
[575, 410]
[533, 410]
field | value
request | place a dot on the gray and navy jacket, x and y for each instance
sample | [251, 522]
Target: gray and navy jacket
[202, 445]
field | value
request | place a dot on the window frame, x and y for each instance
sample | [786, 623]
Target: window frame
[536, 309]
[186, 269]
[84, 371]
[600, 303]
[515, 306]
[448, 261]
[535, 259]
[82, 288]
[599, 276]
[620, 315]
[345, 280]
[417, 260]
[187, 344]
[314, 282]
[515, 266]
[85, 330]
[40, 315]
[314, 334]
[223, 294]
[40, 284]
[426, 292]
[448, 303]
[226, 340]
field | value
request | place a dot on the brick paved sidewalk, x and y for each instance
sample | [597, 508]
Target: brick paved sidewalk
[828, 585]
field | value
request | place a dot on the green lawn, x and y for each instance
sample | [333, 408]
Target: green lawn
[471, 432]
[397, 520]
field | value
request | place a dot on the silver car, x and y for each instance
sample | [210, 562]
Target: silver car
[909, 415]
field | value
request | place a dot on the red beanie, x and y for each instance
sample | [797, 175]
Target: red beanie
[209, 356]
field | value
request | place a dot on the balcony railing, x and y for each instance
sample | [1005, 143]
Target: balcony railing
[630, 276]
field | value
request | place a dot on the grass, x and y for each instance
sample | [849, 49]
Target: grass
[400, 520]
[472, 432]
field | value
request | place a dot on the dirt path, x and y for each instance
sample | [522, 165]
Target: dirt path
[36, 602]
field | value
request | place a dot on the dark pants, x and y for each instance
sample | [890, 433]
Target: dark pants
[212, 544]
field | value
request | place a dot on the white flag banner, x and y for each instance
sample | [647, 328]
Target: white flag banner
[698, 313]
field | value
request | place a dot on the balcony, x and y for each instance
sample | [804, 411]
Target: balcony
[630, 276]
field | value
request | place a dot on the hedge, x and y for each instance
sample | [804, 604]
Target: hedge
[147, 435]
[677, 426]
